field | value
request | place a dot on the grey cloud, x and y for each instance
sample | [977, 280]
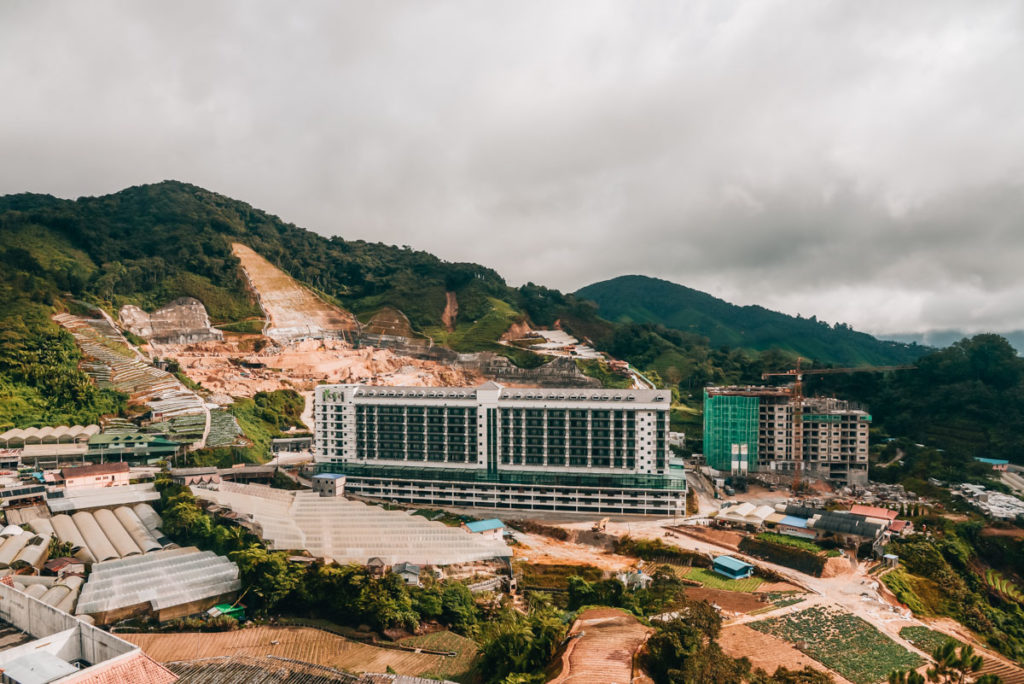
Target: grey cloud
[860, 162]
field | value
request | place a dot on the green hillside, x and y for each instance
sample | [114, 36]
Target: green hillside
[640, 299]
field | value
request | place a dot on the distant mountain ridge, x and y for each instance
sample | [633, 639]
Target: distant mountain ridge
[945, 338]
[642, 299]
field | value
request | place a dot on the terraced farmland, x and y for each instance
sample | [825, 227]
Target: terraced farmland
[843, 642]
[929, 639]
[299, 643]
[606, 640]
[112, 363]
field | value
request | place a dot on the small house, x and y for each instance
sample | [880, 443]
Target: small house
[489, 529]
[64, 566]
[91, 476]
[409, 572]
[376, 566]
[733, 568]
[634, 580]
[329, 484]
[901, 528]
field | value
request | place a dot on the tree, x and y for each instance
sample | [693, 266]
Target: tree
[954, 666]
[268, 575]
[906, 677]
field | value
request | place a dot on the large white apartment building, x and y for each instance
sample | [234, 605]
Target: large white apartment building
[594, 451]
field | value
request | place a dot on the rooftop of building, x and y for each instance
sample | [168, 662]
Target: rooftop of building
[485, 525]
[990, 461]
[874, 512]
[507, 393]
[136, 439]
[734, 564]
[95, 470]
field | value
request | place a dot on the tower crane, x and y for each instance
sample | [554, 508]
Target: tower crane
[796, 394]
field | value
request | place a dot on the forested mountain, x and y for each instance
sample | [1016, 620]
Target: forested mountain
[967, 399]
[640, 299]
[148, 245]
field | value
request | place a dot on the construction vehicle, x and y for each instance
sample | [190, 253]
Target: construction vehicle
[796, 393]
[600, 525]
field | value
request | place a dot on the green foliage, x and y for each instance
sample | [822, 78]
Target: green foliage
[926, 639]
[596, 368]
[517, 647]
[639, 299]
[266, 416]
[658, 551]
[841, 641]
[966, 400]
[684, 650]
[787, 540]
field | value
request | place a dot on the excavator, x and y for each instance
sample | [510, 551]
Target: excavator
[796, 393]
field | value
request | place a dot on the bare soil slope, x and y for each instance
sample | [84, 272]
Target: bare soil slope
[604, 642]
[293, 311]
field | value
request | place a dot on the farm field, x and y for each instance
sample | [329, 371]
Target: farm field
[766, 651]
[713, 580]
[604, 650]
[450, 668]
[299, 643]
[731, 601]
[843, 642]
[929, 639]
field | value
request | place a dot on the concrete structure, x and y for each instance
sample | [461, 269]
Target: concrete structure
[21, 493]
[329, 484]
[183, 321]
[242, 472]
[733, 568]
[46, 644]
[592, 451]
[94, 476]
[750, 429]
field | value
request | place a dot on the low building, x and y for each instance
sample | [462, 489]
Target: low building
[376, 566]
[409, 573]
[635, 579]
[131, 447]
[492, 529]
[22, 493]
[875, 513]
[64, 566]
[997, 464]
[795, 527]
[289, 445]
[329, 484]
[733, 568]
[901, 528]
[95, 476]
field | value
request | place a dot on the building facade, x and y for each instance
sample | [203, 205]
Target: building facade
[601, 451]
[751, 429]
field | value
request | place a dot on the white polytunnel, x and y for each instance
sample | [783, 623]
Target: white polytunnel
[67, 531]
[10, 549]
[98, 543]
[42, 526]
[136, 529]
[35, 552]
[149, 517]
[115, 532]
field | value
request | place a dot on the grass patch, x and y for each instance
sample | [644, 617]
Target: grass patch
[252, 326]
[554, 576]
[713, 580]
[843, 642]
[927, 639]
[456, 669]
[913, 591]
[449, 519]
[787, 540]
[597, 368]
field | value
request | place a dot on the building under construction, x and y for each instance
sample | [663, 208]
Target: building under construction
[772, 429]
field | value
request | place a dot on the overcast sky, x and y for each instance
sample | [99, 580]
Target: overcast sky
[860, 161]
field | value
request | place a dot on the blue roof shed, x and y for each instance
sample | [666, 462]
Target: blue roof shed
[485, 525]
[733, 568]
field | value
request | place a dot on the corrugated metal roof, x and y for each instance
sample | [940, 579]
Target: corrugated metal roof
[484, 525]
[793, 521]
[734, 564]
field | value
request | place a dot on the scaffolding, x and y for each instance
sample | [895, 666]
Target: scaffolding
[731, 423]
